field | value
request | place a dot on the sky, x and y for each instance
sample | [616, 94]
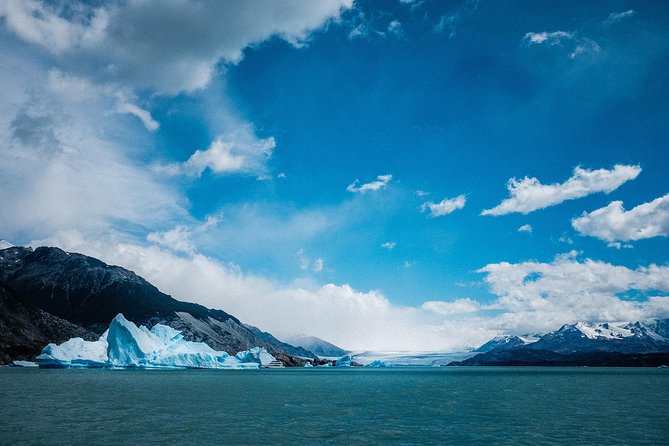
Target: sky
[386, 175]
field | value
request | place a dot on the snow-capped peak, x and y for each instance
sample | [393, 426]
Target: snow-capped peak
[4, 244]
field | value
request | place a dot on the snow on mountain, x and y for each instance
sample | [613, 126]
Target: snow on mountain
[622, 337]
[125, 344]
[508, 341]
[4, 244]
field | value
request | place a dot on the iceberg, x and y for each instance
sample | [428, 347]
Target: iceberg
[344, 361]
[125, 345]
[378, 364]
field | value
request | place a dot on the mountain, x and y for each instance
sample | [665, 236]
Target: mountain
[25, 329]
[631, 337]
[507, 341]
[587, 344]
[88, 293]
[315, 345]
[288, 348]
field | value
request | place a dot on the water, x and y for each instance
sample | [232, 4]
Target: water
[449, 406]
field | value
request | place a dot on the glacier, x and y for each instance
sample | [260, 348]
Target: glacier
[125, 345]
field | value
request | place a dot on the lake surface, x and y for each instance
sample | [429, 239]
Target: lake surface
[449, 406]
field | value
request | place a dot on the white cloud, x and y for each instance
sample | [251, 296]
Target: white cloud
[564, 238]
[529, 194]
[585, 46]
[525, 228]
[448, 23]
[224, 157]
[305, 264]
[395, 27]
[168, 48]
[69, 164]
[143, 115]
[445, 206]
[389, 245]
[552, 38]
[458, 306]
[380, 183]
[541, 296]
[618, 16]
[580, 45]
[613, 223]
[178, 239]
[421, 193]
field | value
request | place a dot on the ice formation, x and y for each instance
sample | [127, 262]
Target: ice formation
[377, 364]
[344, 361]
[125, 344]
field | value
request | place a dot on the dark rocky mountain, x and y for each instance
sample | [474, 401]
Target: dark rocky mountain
[88, 294]
[586, 344]
[25, 329]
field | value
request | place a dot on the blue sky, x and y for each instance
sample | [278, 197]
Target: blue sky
[324, 167]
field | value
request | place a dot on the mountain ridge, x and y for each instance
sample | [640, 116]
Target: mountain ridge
[582, 343]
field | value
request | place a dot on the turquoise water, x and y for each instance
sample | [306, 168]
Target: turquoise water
[450, 406]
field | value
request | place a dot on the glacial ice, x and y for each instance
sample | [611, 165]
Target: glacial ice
[344, 361]
[377, 364]
[125, 344]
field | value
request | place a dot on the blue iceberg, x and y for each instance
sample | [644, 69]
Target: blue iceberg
[125, 345]
[344, 361]
[378, 364]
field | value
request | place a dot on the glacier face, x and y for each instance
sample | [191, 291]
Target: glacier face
[125, 344]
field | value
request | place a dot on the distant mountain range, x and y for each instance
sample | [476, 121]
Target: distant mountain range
[587, 344]
[49, 295]
[315, 345]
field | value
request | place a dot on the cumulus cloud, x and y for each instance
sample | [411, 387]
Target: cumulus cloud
[525, 228]
[615, 17]
[389, 245]
[614, 224]
[224, 157]
[529, 194]
[538, 296]
[168, 48]
[380, 183]
[445, 206]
